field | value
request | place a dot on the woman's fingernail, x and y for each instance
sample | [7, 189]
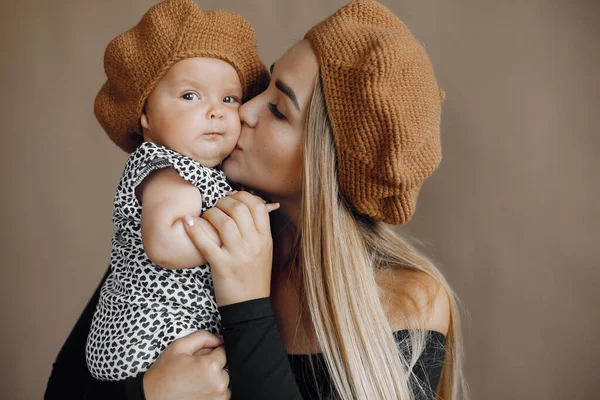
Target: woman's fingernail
[272, 206]
[189, 220]
[231, 193]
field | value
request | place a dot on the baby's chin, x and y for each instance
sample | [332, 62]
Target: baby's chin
[210, 162]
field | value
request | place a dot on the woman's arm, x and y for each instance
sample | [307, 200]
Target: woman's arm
[258, 363]
[166, 197]
[241, 268]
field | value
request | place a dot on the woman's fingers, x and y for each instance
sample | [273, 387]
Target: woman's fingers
[214, 363]
[257, 209]
[196, 341]
[240, 213]
[272, 206]
[225, 379]
[217, 358]
[185, 371]
[227, 226]
[241, 267]
[202, 240]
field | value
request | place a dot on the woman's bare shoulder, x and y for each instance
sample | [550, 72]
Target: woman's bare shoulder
[414, 295]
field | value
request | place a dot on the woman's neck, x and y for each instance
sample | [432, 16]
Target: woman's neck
[294, 323]
[290, 209]
[284, 241]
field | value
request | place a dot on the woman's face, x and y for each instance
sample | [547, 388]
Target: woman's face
[268, 156]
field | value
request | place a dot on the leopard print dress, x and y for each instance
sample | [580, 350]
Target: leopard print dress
[142, 306]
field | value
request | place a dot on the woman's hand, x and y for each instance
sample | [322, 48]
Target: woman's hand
[190, 368]
[241, 267]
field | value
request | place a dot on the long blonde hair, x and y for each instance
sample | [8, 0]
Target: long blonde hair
[339, 253]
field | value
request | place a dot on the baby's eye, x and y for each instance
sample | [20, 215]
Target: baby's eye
[230, 99]
[190, 96]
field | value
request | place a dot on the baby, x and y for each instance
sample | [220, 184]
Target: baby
[175, 83]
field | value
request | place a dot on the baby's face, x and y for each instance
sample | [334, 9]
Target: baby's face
[193, 110]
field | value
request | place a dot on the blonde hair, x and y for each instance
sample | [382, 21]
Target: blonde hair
[339, 253]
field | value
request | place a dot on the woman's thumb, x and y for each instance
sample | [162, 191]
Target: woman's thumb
[196, 341]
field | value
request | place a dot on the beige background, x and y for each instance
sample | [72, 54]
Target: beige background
[511, 215]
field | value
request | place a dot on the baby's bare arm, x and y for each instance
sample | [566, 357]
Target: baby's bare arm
[166, 198]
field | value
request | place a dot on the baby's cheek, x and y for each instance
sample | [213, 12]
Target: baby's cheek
[235, 118]
[238, 123]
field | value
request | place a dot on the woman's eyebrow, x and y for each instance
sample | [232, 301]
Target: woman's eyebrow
[285, 89]
[288, 91]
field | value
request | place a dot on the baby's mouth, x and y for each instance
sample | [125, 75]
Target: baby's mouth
[212, 135]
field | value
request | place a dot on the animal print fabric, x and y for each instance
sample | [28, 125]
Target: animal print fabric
[142, 306]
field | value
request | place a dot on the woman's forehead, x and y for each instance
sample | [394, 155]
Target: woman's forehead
[298, 68]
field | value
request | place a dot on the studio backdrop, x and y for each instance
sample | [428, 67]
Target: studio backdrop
[511, 216]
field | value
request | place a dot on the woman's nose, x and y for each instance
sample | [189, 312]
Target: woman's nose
[249, 112]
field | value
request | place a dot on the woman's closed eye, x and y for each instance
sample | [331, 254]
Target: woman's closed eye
[275, 111]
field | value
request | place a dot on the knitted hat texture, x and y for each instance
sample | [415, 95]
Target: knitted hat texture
[169, 32]
[384, 107]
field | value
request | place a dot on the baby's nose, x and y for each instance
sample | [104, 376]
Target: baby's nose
[216, 113]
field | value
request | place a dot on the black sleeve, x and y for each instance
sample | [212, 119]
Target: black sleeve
[70, 378]
[257, 360]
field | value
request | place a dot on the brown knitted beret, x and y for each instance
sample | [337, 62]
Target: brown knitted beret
[169, 32]
[384, 106]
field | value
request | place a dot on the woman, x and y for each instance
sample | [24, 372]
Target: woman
[343, 138]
